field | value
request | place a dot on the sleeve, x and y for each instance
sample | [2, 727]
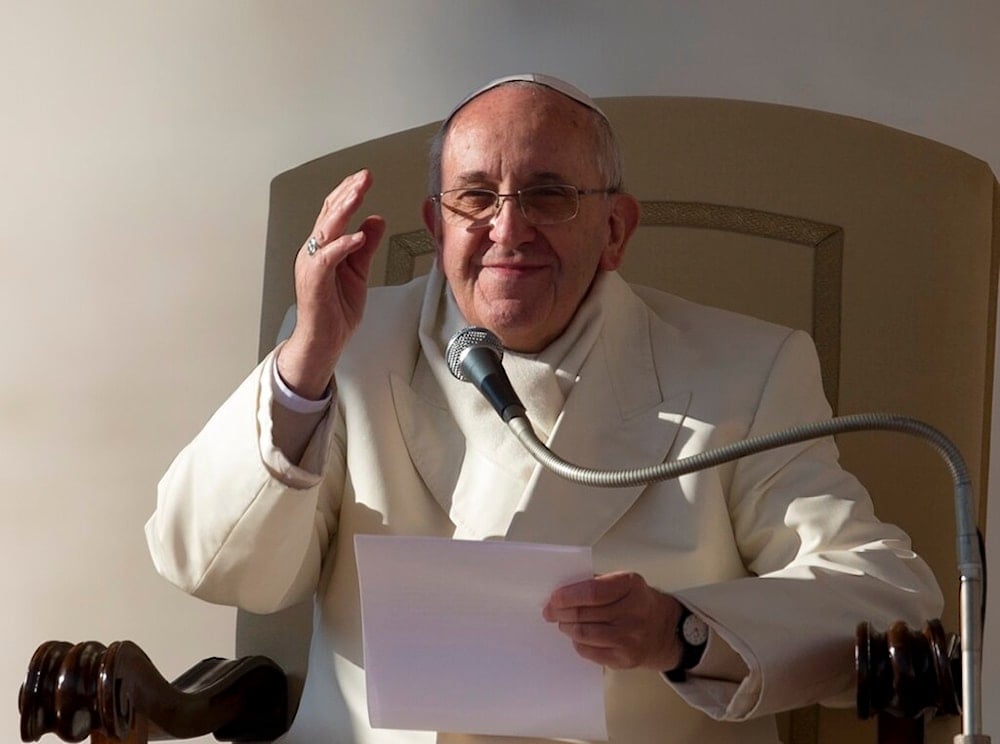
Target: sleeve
[820, 560]
[236, 521]
[294, 419]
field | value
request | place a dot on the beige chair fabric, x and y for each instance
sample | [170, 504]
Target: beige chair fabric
[881, 244]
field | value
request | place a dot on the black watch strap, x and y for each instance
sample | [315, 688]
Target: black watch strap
[691, 653]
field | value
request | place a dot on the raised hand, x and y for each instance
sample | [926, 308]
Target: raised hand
[331, 278]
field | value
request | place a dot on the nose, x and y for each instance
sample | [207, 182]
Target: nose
[509, 226]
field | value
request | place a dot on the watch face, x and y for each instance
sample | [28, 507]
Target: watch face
[694, 630]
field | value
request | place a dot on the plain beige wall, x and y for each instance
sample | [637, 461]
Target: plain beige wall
[138, 142]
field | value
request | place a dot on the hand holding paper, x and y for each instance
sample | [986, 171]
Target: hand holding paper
[618, 620]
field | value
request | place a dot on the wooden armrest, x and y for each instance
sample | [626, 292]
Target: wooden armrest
[116, 694]
[905, 676]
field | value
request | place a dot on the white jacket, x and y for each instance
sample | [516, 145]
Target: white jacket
[779, 552]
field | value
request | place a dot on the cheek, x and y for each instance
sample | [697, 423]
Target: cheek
[455, 257]
[584, 253]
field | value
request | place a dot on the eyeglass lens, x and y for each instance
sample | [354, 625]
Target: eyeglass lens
[540, 205]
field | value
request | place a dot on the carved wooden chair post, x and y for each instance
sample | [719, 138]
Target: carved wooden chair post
[115, 694]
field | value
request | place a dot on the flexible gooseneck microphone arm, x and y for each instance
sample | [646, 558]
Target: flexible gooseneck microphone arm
[967, 538]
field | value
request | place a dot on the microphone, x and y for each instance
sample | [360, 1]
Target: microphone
[474, 355]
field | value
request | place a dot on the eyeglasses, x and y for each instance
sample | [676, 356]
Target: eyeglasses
[548, 204]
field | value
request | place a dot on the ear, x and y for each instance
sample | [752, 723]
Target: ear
[622, 221]
[432, 219]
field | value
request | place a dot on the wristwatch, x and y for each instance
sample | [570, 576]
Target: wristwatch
[692, 632]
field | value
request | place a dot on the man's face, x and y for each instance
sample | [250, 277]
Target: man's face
[524, 282]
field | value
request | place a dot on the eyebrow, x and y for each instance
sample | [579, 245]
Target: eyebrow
[478, 178]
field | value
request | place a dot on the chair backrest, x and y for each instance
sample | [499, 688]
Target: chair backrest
[880, 243]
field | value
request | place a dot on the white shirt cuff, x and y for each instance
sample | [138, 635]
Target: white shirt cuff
[287, 398]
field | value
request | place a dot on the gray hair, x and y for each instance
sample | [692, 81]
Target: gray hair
[610, 163]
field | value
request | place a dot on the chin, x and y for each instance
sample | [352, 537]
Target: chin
[523, 338]
[519, 324]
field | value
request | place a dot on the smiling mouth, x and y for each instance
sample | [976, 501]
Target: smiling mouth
[513, 267]
[512, 274]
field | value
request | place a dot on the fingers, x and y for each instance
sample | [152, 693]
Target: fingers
[336, 250]
[591, 599]
[327, 236]
[372, 229]
[340, 206]
[327, 246]
[617, 620]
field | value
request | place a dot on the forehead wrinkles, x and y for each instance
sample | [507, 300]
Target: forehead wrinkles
[509, 123]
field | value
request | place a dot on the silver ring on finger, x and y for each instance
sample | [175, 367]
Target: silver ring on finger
[312, 245]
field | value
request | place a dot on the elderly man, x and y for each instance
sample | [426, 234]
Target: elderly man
[720, 598]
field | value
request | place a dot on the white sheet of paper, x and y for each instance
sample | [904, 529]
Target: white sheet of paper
[454, 638]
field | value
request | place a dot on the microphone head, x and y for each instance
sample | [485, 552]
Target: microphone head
[468, 338]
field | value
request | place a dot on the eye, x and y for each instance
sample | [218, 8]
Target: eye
[549, 204]
[473, 200]
[556, 197]
[545, 192]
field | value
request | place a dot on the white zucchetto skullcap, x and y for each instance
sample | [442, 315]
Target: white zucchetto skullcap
[560, 86]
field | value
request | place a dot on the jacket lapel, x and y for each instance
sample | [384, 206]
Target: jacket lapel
[595, 432]
[615, 417]
[434, 441]
[472, 479]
